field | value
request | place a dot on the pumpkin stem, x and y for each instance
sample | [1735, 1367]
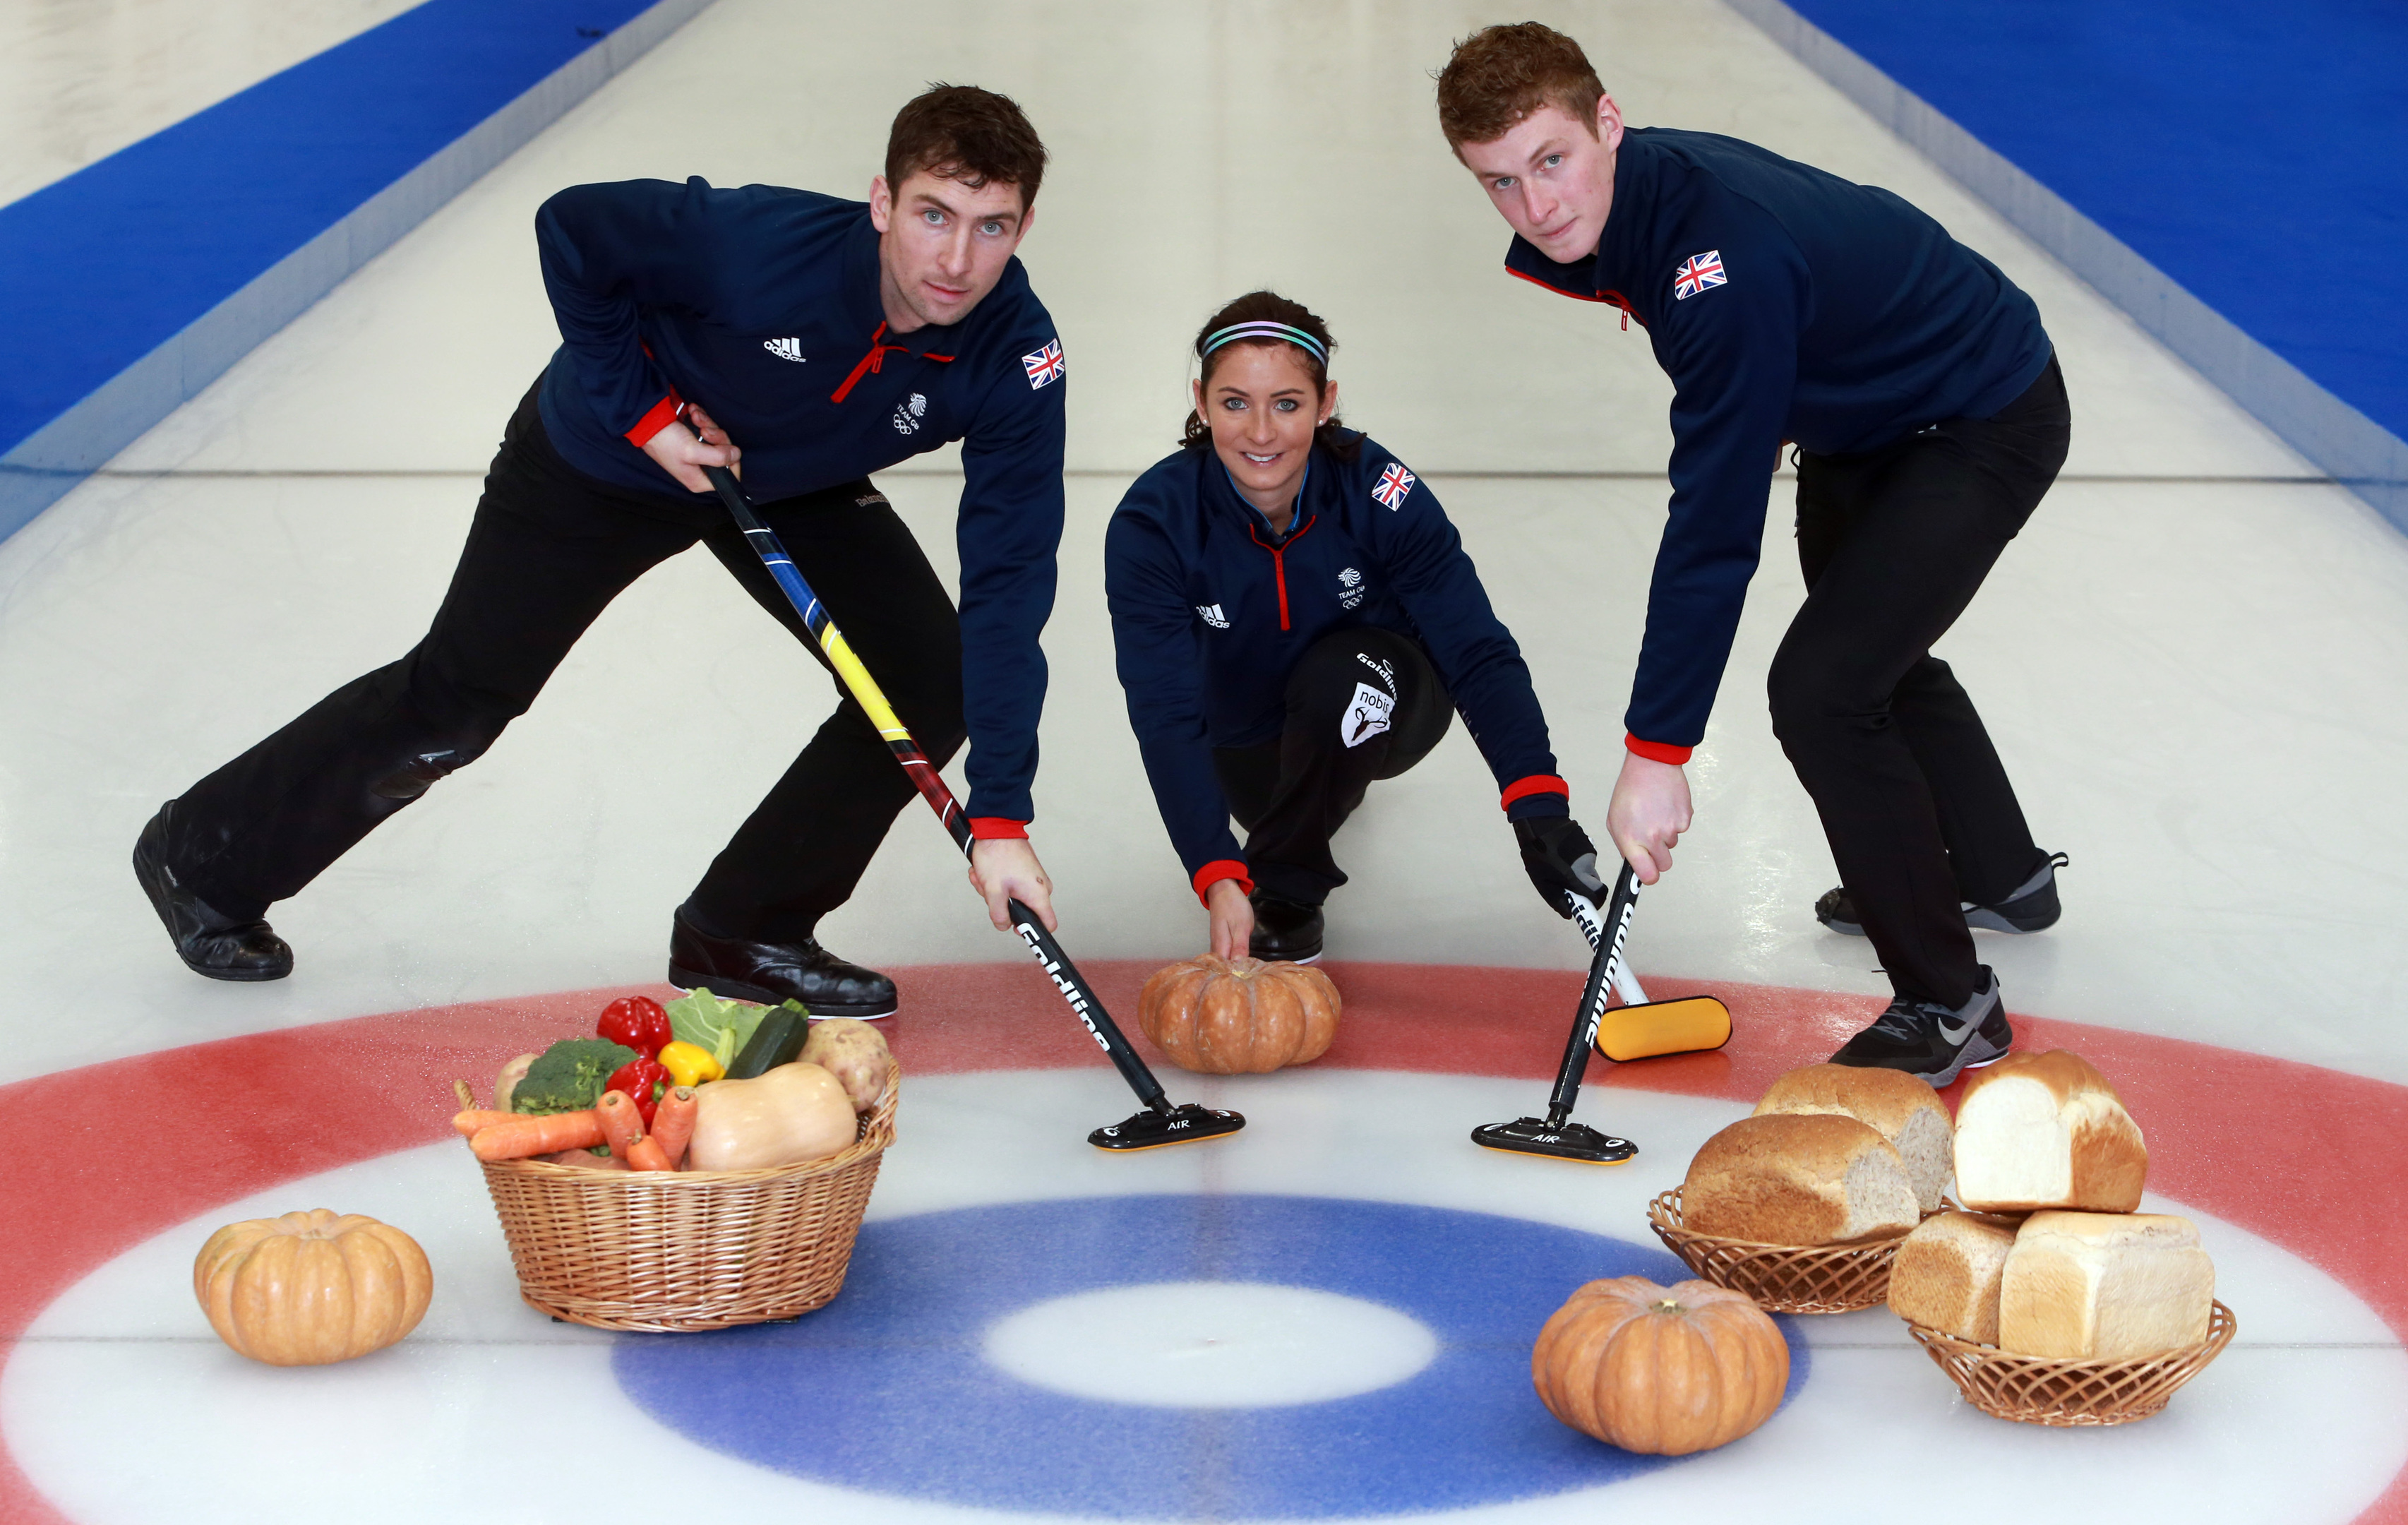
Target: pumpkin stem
[1666, 1305]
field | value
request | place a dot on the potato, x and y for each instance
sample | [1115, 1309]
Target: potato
[508, 1081]
[583, 1159]
[854, 1051]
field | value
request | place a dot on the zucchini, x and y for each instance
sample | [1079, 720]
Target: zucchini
[779, 1039]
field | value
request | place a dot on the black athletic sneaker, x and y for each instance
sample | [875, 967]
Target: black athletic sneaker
[1934, 1043]
[210, 944]
[1284, 930]
[2031, 908]
[771, 973]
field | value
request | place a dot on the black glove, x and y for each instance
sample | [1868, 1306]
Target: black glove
[1559, 856]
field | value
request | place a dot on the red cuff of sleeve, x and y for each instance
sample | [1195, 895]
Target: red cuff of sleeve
[663, 413]
[1218, 870]
[1656, 751]
[1522, 788]
[999, 828]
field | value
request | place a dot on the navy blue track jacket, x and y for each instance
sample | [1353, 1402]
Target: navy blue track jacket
[1785, 304]
[762, 305]
[1210, 612]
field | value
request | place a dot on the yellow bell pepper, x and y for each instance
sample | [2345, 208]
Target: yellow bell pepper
[690, 1064]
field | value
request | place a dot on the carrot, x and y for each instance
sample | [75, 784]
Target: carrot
[645, 1154]
[475, 1120]
[621, 1124]
[523, 1137]
[673, 1123]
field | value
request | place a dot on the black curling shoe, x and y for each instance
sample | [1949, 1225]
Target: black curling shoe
[1934, 1043]
[771, 972]
[2033, 907]
[1284, 930]
[218, 947]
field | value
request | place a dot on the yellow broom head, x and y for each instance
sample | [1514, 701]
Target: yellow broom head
[1691, 1025]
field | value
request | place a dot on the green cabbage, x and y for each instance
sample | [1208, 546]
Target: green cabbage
[719, 1027]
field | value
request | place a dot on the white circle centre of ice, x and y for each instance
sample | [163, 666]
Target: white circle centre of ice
[1209, 1345]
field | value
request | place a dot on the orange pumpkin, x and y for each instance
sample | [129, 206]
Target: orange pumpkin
[1239, 1017]
[311, 1287]
[1663, 1370]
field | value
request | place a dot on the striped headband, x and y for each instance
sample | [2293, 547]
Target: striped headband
[1294, 335]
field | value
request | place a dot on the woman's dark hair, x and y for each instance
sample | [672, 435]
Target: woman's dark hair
[1271, 307]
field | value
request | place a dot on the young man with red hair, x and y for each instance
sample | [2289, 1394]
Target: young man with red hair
[803, 341]
[1929, 416]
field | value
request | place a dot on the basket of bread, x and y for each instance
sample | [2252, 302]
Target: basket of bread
[2046, 1297]
[2050, 1300]
[1803, 1205]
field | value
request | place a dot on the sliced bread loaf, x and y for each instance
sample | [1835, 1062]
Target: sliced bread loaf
[2104, 1286]
[1819, 1179]
[2046, 1131]
[1946, 1274]
[1891, 1103]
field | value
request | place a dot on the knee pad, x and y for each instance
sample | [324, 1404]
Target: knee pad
[417, 775]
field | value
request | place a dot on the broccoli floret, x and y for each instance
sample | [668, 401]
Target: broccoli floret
[569, 1075]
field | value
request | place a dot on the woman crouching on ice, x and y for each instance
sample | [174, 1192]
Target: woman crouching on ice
[1294, 617]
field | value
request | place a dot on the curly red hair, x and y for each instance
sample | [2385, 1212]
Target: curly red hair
[1502, 74]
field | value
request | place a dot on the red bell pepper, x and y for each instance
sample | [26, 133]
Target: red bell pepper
[643, 1081]
[638, 1022]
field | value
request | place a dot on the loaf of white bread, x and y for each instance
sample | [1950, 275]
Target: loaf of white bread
[1788, 1179]
[1947, 1273]
[1891, 1103]
[2046, 1131]
[2104, 1286]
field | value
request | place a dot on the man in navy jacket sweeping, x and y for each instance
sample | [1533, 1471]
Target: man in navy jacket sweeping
[1925, 401]
[803, 342]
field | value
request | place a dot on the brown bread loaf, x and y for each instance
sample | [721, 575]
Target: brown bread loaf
[2104, 1286]
[2046, 1131]
[1797, 1180]
[1891, 1103]
[1946, 1274]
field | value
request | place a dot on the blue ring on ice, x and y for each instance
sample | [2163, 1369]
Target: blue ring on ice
[885, 1390]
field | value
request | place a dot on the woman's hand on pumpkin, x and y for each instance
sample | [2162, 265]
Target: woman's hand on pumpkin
[1233, 918]
[1005, 869]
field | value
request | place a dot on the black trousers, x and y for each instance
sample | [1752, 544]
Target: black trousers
[548, 548]
[1362, 704]
[1911, 794]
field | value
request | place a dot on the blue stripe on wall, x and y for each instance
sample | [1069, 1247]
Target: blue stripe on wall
[2256, 155]
[130, 285]
[2235, 177]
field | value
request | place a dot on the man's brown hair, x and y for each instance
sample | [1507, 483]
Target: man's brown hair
[1502, 74]
[965, 134]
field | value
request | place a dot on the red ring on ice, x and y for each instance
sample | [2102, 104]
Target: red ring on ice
[2271, 1145]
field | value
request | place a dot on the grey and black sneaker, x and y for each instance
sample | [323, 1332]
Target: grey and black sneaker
[1934, 1043]
[2031, 908]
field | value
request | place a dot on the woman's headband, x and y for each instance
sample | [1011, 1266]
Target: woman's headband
[1294, 335]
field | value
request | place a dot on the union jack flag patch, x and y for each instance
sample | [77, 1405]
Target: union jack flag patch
[1044, 366]
[1394, 483]
[1697, 273]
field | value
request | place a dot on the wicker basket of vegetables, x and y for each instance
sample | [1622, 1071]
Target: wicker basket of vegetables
[734, 1199]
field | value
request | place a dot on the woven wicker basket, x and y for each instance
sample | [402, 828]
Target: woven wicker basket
[1783, 1278]
[2030, 1389]
[670, 1251]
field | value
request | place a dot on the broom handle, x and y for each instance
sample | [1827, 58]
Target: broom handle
[1085, 1004]
[1602, 969]
[1592, 926]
